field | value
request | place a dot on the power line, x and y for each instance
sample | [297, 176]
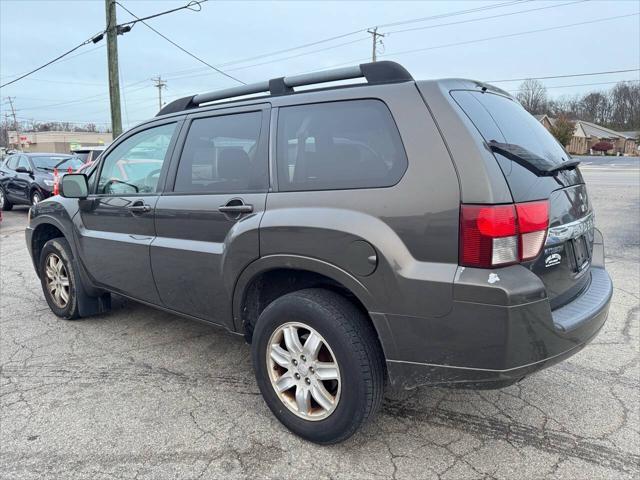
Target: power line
[368, 38]
[564, 76]
[344, 35]
[510, 35]
[274, 60]
[178, 46]
[125, 27]
[188, 6]
[96, 38]
[452, 14]
[63, 60]
[490, 17]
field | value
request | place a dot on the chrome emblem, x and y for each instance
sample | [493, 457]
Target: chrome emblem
[553, 259]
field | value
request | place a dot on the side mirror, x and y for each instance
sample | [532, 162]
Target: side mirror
[74, 185]
[23, 170]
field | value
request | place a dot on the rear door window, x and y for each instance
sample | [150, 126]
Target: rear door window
[338, 145]
[223, 154]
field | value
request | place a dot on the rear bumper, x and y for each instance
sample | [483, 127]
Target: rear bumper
[490, 345]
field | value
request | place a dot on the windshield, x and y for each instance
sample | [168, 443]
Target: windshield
[502, 120]
[49, 163]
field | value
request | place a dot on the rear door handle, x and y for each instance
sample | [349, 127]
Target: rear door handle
[139, 207]
[235, 208]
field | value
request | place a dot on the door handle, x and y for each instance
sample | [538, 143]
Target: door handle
[235, 208]
[139, 207]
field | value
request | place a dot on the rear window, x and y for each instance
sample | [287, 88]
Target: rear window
[502, 120]
[50, 163]
[338, 145]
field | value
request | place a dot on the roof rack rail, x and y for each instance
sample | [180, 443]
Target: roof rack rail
[375, 73]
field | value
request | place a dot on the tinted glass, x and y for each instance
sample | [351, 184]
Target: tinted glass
[223, 155]
[59, 162]
[23, 162]
[338, 145]
[134, 166]
[12, 162]
[503, 120]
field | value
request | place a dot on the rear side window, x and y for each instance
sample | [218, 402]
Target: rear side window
[223, 154]
[338, 145]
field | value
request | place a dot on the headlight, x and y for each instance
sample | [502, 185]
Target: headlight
[49, 183]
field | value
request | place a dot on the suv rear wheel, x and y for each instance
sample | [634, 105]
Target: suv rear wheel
[318, 364]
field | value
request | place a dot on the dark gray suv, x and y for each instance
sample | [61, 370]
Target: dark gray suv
[393, 231]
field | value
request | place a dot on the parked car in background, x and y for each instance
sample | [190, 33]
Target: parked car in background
[396, 232]
[88, 155]
[28, 178]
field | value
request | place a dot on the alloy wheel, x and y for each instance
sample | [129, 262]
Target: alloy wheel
[1, 198]
[57, 279]
[35, 198]
[303, 371]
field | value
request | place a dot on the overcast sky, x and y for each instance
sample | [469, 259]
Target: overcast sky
[75, 89]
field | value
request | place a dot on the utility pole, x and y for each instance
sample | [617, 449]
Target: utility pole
[160, 84]
[112, 60]
[15, 120]
[374, 36]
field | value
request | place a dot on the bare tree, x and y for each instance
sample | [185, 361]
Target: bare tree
[625, 106]
[596, 107]
[532, 94]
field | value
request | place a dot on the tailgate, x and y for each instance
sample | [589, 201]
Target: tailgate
[566, 257]
[565, 261]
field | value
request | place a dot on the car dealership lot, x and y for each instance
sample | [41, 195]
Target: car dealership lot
[139, 393]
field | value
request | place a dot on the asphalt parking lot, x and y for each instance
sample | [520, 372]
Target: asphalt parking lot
[141, 394]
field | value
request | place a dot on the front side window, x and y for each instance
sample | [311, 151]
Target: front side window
[24, 163]
[223, 154]
[338, 145]
[134, 166]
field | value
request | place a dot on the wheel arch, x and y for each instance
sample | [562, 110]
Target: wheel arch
[42, 233]
[272, 276]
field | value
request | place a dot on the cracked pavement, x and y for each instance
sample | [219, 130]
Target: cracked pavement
[142, 394]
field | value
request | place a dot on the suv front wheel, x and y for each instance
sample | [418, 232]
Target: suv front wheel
[318, 364]
[59, 279]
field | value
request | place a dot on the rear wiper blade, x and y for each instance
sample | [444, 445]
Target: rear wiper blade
[529, 160]
[568, 165]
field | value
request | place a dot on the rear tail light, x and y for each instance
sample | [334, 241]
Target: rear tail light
[498, 235]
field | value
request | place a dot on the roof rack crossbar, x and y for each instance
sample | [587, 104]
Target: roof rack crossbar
[374, 73]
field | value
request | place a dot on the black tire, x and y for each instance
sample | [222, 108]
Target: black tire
[60, 248]
[36, 194]
[5, 204]
[357, 351]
